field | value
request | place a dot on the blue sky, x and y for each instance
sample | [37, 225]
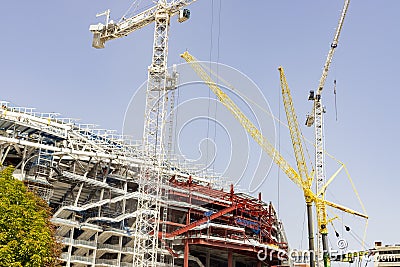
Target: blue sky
[47, 62]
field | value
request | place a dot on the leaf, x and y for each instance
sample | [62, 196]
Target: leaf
[27, 237]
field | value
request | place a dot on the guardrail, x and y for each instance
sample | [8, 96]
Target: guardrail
[108, 246]
[126, 264]
[84, 259]
[107, 262]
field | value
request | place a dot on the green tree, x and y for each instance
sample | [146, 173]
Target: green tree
[27, 237]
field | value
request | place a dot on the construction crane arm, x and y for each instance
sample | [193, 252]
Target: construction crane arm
[345, 209]
[325, 70]
[332, 49]
[244, 121]
[294, 129]
[103, 33]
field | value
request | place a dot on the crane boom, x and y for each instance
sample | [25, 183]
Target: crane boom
[103, 33]
[333, 48]
[245, 122]
[311, 117]
[294, 129]
[345, 209]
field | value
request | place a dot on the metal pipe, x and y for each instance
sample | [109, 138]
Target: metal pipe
[310, 234]
[327, 262]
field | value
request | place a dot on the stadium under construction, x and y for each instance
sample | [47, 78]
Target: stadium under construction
[89, 177]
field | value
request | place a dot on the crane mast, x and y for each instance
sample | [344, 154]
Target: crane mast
[316, 118]
[152, 177]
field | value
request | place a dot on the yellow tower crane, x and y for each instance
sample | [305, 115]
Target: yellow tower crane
[301, 178]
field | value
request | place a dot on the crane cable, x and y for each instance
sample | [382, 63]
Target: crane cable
[361, 241]
[279, 150]
[334, 92]
[132, 8]
[209, 93]
[218, 46]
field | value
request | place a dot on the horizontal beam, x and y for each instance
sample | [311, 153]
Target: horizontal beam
[343, 208]
[201, 221]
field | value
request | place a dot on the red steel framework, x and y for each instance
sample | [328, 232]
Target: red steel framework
[225, 221]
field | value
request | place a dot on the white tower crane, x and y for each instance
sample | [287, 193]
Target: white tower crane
[151, 178]
[316, 118]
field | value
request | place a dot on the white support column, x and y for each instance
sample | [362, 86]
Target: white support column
[78, 195]
[5, 154]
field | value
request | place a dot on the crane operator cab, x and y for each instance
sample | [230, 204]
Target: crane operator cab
[184, 15]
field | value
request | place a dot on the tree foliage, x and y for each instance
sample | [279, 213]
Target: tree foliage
[27, 237]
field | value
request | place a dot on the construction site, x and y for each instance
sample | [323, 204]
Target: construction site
[90, 180]
[123, 202]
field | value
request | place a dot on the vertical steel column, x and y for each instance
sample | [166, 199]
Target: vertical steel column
[230, 258]
[186, 254]
[326, 254]
[310, 234]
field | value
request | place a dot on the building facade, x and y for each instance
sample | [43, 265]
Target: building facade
[386, 255]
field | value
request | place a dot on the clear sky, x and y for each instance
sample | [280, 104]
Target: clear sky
[47, 62]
